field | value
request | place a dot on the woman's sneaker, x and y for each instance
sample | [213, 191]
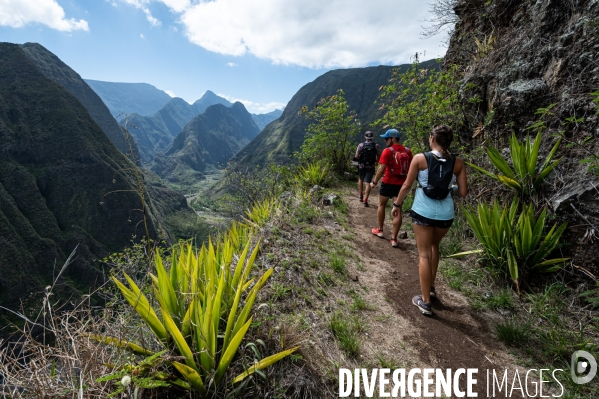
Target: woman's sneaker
[394, 243]
[378, 232]
[425, 308]
[433, 292]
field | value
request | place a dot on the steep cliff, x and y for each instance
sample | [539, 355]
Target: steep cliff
[531, 55]
[63, 184]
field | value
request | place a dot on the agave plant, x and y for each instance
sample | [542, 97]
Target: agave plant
[315, 173]
[520, 244]
[261, 212]
[523, 177]
[201, 312]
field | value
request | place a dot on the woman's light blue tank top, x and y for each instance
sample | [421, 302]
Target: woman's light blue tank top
[432, 208]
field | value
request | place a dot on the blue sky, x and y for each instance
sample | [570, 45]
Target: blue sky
[259, 52]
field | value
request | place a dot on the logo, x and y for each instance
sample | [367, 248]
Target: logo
[583, 362]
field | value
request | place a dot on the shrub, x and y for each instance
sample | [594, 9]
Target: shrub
[330, 137]
[520, 245]
[523, 177]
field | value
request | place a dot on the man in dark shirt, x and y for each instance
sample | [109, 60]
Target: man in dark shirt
[367, 155]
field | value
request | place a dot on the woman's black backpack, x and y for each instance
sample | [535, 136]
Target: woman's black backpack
[440, 172]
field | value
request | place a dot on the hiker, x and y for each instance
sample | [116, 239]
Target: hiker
[394, 165]
[367, 155]
[432, 212]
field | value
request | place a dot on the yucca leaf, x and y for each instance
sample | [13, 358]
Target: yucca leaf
[191, 375]
[481, 170]
[179, 340]
[140, 303]
[551, 154]
[550, 262]
[513, 267]
[545, 172]
[249, 301]
[534, 155]
[465, 253]
[511, 183]
[500, 163]
[166, 289]
[119, 343]
[230, 350]
[264, 363]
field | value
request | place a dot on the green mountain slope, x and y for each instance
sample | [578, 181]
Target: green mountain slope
[63, 184]
[130, 98]
[285, 135]
[54, 69]
[207, 142]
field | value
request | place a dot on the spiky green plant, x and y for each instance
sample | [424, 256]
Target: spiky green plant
[315, 173]
[261, 212]
[200, 300]
[523, 177]
[520, 245]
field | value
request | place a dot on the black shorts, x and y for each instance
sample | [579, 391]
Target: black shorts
[389, 190]
[426, 222]
[366, 174]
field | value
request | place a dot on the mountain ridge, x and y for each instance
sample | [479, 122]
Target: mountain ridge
[285, 135]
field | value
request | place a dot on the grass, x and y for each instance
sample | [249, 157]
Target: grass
[544, 326]
[511, 332]
[346, 332]
[338, 264]
[359, 304]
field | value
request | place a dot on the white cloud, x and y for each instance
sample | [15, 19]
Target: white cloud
[311, 33]
[142, 36]
[142, 5]
[254, 107]
[177, 5]
[231, 64]
[170, 93]
[17, 13]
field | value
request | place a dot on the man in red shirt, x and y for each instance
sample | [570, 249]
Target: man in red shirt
[394, 164]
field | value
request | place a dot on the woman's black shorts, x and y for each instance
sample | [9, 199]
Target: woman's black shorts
[424, 221]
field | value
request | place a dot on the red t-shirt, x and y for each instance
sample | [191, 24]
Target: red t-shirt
[386, 159]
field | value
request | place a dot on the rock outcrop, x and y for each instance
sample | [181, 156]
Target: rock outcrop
[537, 54]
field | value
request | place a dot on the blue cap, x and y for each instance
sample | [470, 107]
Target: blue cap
[390, 133]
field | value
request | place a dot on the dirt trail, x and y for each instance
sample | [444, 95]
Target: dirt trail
[455, 336]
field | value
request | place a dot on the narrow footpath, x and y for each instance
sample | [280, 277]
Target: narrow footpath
[456, 336]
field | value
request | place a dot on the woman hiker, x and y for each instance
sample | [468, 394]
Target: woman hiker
[432, 213]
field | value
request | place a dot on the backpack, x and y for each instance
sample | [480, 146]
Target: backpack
[400, 163]
[440, 174]
[368, 154]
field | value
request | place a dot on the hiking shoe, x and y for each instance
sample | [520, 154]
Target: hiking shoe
[366, 204]
[378, 232]
[425, 308]
[433, 293]
[394, 243]
[361, 198]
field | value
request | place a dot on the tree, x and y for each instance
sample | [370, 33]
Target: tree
[418, 99]
[329, 138]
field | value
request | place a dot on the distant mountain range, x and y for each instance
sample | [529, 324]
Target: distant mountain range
[264, 119]
[208, 141]
[285, 135]
[63, 183]
[155, 133]
[130, 98]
